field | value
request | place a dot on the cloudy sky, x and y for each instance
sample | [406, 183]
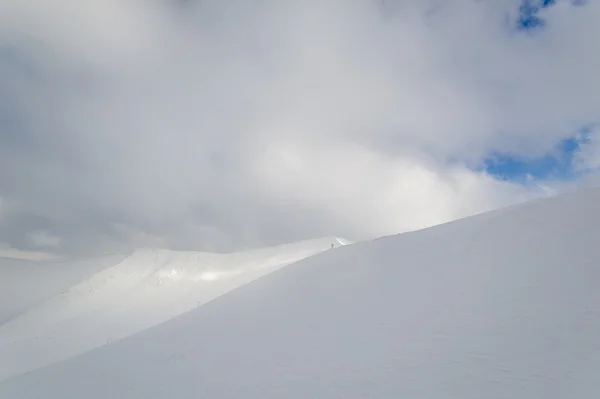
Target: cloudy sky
[227, 124]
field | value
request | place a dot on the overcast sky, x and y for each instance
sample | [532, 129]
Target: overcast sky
[227, 124]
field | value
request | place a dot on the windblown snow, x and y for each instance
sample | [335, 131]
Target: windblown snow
[500, 305]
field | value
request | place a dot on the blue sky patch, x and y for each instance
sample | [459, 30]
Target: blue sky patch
[529, 10]
[528, 13]
[555, 165]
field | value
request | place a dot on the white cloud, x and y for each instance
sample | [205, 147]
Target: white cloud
[227, 124]
[138, 238]
[44, 239]
[371, 194]
[6, 251]
[588, 156]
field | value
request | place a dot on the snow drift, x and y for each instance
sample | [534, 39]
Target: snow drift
[501, 305]
[139, 291]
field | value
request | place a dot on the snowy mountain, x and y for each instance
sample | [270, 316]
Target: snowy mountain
[24, 283]
[134, 293]
[500, 305]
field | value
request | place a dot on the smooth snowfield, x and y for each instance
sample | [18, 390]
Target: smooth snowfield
[24, 283]
[139, 291]
[501, 305]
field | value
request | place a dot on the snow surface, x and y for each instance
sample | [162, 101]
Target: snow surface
[25, 283]
[139, 291]
[500, 305]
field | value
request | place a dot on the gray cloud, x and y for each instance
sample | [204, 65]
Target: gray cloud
[222, 125]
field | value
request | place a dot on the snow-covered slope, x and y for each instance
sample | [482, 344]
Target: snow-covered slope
[501, 305]
[142, 290]
[25, 283]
